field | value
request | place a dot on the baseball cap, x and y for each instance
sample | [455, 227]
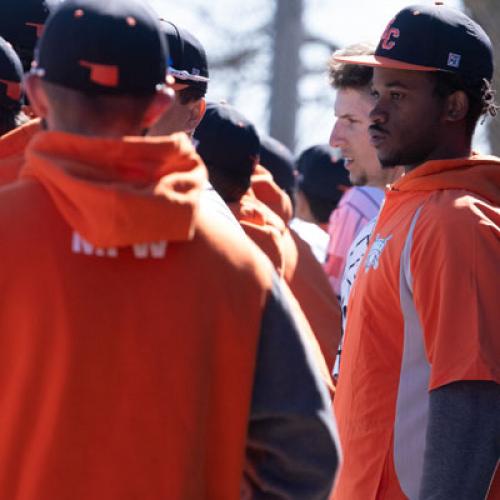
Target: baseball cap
[11, 75]
[432, 38]
[227, 140]
[188, 60]
[322, 173]
[278, 159]
[21, 24]
[103, 47]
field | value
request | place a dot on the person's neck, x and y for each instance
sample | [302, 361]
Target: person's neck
[447, 150]
[389, 176]
[96, 130]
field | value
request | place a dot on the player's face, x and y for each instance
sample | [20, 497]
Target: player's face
[179, 118]
[406, 120]
[350, 134]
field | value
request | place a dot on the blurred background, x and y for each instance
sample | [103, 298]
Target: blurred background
[269, 57]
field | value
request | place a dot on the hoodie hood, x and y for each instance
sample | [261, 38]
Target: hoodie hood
[479, 174]
[263, 226]
[12, 147]
[269, 193]
[120, 192]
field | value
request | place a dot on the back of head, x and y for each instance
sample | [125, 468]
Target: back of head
[187, 62]
[349, 76]
[11, 93]
[94, 53]
[229, 145]
[21, 24]
[278, 159]
[323, 180]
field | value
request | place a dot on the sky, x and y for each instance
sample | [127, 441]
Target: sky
[341, 21]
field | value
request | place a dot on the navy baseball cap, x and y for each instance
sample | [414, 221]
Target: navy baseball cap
[227, 140]
[322, 173]
[278, 159]
[432, 38]
[21, 24]
[188, 59]
[11, 76]
[103, 47]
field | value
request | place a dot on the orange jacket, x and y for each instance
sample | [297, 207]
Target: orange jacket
[126, 369]
[292, 257]
[12, 146]
[423, 313]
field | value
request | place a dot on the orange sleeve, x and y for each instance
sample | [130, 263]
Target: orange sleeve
[456, 271]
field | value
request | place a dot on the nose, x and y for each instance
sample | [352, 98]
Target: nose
[378, 114]
[336, 137]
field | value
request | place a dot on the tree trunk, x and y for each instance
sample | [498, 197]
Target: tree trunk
[286, 70]
[487, 14]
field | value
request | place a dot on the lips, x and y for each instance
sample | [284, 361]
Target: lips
[348, 160]
[377, 135]
[377, 139]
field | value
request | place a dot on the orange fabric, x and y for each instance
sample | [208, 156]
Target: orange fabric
[108, 389]
[12, 146]
[308, 282]
[455, 270]
[103, 74]
[300, 269]
[263, 227]
[267, 191]
[166, 175]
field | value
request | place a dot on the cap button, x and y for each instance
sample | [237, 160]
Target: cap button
[438, 3]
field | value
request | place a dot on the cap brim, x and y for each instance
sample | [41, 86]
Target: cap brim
[382, 62]
[179, 86]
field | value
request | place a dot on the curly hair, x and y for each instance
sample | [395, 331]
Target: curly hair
[355, 76]
[480, 93]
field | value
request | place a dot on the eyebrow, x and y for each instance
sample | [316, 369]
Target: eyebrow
[346, 115]
[396, 83]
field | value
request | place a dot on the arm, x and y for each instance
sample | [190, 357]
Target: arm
[292, 450]
[462, 442]
[454, 264]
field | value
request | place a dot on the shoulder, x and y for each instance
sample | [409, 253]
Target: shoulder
[455, 229]
[227, 251]
[364, 194]
[454, 212]
[363, 201]
[23, 199]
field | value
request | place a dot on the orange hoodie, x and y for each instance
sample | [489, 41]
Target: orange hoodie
[423, 314]
[263, 226]
[300, 269]
[12, 146]
[126, 369]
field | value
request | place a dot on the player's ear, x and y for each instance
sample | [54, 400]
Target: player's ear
[197, 112]
[159, 105]
[457, 106]
[39, 102]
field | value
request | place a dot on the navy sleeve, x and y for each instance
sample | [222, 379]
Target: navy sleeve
[462, 442]
[292, 450]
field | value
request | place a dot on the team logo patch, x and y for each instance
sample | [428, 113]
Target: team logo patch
[390, 33]
[375, 252]
[454, 60]
[102, 74]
